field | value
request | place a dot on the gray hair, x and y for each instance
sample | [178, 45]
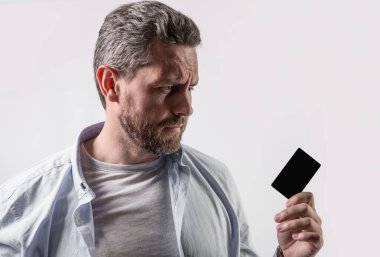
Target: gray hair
[125, 36]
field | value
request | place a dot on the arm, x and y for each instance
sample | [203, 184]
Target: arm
[8, 245]
[246, 245]
[246, 248]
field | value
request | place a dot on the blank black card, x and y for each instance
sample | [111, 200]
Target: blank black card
[296, 174]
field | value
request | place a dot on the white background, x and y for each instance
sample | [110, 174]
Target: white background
[274, 76]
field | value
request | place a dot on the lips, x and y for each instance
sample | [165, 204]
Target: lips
[175, 126]
[174, 122]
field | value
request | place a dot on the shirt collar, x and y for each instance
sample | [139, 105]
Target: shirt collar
[80, 184]
[89, 132]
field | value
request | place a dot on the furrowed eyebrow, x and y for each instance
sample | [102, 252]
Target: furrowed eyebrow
[158, 83]
[165, 81]
[196, 83]
[171, 81]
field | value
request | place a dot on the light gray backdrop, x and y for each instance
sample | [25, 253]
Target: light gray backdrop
[274, 76]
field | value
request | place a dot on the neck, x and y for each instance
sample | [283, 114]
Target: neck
[113, 146]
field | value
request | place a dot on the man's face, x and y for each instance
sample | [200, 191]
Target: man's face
[156, 103]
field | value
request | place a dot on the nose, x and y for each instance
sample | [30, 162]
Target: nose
[182, 105]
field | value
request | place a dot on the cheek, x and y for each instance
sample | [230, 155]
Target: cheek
[154, 106]
[154, 110]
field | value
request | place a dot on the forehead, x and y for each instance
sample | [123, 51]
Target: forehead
[176, 61]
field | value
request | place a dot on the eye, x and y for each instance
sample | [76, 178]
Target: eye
[170, 88]
[167, 89]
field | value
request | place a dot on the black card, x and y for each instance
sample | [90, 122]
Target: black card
[296, 174]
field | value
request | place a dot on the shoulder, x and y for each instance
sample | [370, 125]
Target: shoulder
[46, 171]
[215, 167]
[197, 160]
[193, 156]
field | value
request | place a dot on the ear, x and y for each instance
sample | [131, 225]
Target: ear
[107, 77]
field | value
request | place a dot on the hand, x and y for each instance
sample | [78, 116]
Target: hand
[299, 231]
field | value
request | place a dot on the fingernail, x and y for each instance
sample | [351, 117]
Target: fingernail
[277, 217]
[279, 227]
[295, 236]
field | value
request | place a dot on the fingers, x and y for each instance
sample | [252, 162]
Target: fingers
[303, 197]
[297, 211]
[312, 237]
[302, 224]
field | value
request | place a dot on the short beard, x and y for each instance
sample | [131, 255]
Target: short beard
[148, 136]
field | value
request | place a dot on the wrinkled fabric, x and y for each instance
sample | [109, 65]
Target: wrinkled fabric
[46, 211]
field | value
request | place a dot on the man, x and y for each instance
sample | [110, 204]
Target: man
[128, 187]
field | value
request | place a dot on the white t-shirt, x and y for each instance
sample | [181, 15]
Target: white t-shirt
[132, 209]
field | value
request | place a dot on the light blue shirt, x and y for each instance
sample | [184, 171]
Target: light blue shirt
[46, 211]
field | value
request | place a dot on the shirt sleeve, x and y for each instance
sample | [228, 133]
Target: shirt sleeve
[8, 244]
[246, 245]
